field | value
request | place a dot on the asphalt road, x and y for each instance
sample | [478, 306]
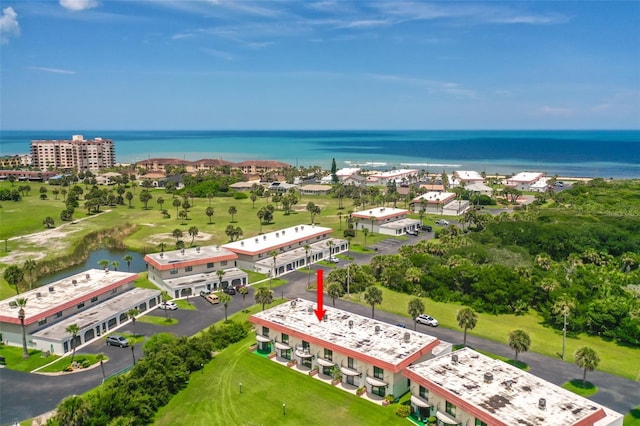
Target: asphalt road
[24, 395]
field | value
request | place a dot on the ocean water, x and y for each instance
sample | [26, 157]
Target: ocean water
[607, 154]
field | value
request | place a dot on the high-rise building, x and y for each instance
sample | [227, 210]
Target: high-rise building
[78, 153]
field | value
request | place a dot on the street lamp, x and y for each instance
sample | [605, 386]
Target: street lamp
[133, 355]
[284, 409]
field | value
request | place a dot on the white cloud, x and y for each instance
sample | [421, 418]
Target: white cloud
[77, 5]
[217, 53]
[432, 86]
[52, 70]
[9, 26]
[555, 111]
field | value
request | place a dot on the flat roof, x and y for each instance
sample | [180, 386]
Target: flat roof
[62, 294]
[379, 213]
[99, 313]
[393, 173]
[374, 341]
[512, 396]
[526, 177]
[399, 224]
[276, 239]
[203, 278]
[434, 197]
[468, 175]
[189, 257]
[347, 171]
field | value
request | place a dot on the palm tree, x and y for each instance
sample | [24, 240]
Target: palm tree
[131, 313]
[519, 341]
[243, 291]
[220, 273]
[263, 296]
[115, 264]
[193, 231]
[273, 254]
[467, 319]
[413, 275]
[334, 291]
[307, 249]
[224, 299]
[30, 266]
[373, 297]
[101, 357]
[21, 303]
[415, 308]
[209, 212]
[14, 276]
[128, 258]
[48, 222]
[330, 245]
[563, 306]
[165, 298]
[177, 234]
[365, 232]
[373, 220]
[103, 263]
[340, 219]
[176, 203]
[73, 329]
[232, 212]
[587, 359]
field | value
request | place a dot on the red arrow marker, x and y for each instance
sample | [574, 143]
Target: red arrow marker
[320, 311]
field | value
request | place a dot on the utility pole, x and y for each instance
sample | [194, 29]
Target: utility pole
[348, 295]
[564, 331]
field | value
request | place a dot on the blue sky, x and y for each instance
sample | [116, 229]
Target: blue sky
[161, 64]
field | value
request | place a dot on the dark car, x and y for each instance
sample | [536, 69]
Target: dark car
[414, 233]
[427, 228]
[117, 340]
[229, 290]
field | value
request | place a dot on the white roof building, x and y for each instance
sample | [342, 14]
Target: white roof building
[524, 180]
[382, 178]
[466, 387]
[385, 220]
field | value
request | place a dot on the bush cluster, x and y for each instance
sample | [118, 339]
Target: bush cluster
[134, 398]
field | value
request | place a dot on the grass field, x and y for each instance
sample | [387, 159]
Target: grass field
[620, 360]
[583, 389]
[633, 418]
[14, 360]
[213, 397]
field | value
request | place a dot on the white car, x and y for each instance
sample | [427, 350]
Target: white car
[171, 306]
[427, 320]
[333, 259]
[442, 222]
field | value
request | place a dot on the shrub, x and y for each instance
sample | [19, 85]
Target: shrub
[349, 233]
[403, 411]
[240, 195]
[389, 398]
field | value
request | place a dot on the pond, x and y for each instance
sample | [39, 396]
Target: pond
[137, 264]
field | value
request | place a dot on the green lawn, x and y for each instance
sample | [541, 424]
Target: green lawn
[14, 360]
[156, 320]
[620, 360]
[633, 418]
[583, 389]
[62, 364]
[213, 396]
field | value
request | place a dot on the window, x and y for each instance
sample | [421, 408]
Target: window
[480, 423]
[223, 263]
[174, 271]
[58, 314]
[209, 265]
[328, 354]
[265, 331]
[423, 393]
[188, 268]
[350, 363]
[378, 373]
[80, 306]
[285, 338]
[94, 299]
[42, 322]
[114, 291]
[305, 345]
[450, 409]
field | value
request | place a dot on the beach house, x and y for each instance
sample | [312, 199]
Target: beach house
[385, 220]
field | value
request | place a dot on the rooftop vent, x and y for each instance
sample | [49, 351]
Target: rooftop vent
[296, 229]
[542, 403]
[181, 251]
[264, 237]
[51, 289]
[293, 303]
[74, 282]
[302, 228]
[488, 377]
[309, 310]
[507, 384]
[325, 317]
[350, 323]
[407, 337]
[161, 254]
[277, 235]
[198, 249]
[87, 276]
[38, 295]
[241, 243]
[377, 329]
[454, 358]
[282, 232]
[256, 240]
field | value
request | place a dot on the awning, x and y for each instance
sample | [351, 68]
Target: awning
[416, 400]
[282, 346]
[302, 354]
[349, 372]
[262, 339]
[375, 382]
[325, 362]
[445, 418]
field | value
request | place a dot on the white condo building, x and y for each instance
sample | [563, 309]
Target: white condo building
[78, 153]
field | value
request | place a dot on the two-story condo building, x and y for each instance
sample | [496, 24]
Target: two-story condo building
[385, 220]
[468, 388]
[369, 353]
[439, 203]
[524, 180]
[97, 301]
[400, 177]
[286, 250]
[189, 271]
